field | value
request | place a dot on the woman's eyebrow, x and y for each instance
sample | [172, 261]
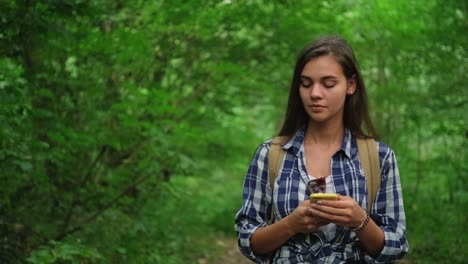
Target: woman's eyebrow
[329, 77]
[324, 78]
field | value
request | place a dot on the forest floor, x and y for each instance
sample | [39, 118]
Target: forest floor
[231, 253]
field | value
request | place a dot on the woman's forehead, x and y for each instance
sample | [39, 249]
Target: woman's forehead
[323, 66]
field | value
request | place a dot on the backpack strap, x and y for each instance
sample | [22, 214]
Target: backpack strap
[369, 157]
[275, 158]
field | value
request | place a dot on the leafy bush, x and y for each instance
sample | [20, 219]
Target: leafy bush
[63, 252]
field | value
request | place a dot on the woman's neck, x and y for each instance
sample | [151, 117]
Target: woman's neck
[324, 134]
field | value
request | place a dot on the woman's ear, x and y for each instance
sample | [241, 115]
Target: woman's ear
[351, 85]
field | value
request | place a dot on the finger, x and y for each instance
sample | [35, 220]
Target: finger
[325, 209]
[335, 203]
[312, 219]
[316, 215]
[326, 218]
[310, 212]
[327, 213]
[331, 214]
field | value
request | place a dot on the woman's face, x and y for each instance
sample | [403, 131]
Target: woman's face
[323, 89]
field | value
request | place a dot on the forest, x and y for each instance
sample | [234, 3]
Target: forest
[127, 127]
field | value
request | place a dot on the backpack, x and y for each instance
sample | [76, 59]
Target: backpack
[368, 156]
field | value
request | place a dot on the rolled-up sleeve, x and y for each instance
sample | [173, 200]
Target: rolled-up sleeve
[388, 211]
[255, 206]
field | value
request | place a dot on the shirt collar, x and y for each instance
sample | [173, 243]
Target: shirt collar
[296, 141]
[348, 146]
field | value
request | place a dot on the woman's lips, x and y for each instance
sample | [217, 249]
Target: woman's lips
[317, 108]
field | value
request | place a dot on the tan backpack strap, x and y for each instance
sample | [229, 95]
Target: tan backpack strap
[275, 158]
[369, 157]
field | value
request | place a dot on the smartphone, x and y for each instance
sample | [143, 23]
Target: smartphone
[325, 196]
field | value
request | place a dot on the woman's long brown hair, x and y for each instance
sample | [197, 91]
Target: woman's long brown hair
[356, 113]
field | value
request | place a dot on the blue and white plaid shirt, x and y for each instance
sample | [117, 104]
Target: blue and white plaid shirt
[340, 245]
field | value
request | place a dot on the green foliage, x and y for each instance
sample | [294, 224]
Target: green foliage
[58, 252]
[127, 126]
[15, 107]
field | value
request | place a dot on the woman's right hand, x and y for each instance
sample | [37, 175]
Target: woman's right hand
[301, 220]
[269, 238]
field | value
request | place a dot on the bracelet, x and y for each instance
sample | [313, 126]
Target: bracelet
[363, 224]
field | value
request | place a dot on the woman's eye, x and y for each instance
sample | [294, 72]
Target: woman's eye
[329, 85]
[306, 83]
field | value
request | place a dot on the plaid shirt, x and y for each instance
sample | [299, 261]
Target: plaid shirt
[337, 245]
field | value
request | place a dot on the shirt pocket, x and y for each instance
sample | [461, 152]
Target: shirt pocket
[290, 192]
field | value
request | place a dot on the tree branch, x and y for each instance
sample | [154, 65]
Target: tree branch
[77, 228]
[87, 176]
[93, 166]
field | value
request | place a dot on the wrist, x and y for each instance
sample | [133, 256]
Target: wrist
[362, 224]
[288, 226]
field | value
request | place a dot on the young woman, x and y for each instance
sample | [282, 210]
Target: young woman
[326, 112]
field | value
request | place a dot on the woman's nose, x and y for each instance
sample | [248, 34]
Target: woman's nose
[315, 91]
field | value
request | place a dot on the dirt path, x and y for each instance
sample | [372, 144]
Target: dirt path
[231, 254]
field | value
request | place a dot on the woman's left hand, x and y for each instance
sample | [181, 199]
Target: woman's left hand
[343, 212]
